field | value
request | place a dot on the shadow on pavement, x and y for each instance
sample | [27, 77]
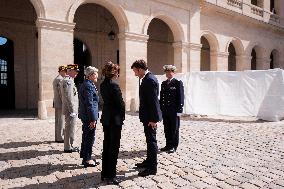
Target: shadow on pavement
[131, 154]
[18, 114]
[30, 171]
[89, 180]
[27, 154]
[23, 144]
[190, 118]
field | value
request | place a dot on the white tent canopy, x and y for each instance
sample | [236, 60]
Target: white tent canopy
[258, 93]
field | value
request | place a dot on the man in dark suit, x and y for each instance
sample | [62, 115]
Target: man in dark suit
[171, 101]
[149, 114]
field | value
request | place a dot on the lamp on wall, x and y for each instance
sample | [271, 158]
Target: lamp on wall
[111, 35]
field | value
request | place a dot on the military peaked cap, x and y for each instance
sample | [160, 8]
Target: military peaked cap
[169, 68]
[73, 67]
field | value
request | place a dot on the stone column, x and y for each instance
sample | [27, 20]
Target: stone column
[55, 47]
[243, 62]
[194, 52]
[263, 63]
[222, 61]
[266, 10]
[132, 46]
[194, 46]
[181, 56]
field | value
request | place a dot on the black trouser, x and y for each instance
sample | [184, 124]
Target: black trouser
[152, 147]
[88, 139]
[111, 144]
[171, 128]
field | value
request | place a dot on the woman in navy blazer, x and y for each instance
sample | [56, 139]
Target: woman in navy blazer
[88, 113]
[113, 115]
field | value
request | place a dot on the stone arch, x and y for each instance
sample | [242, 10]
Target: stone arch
[116, 11]
[174, 25]
[239, 47]
[276, 56]
[212, 39]
[39, 8]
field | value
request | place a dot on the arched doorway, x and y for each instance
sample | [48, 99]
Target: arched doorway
[253, 59]
[18, 26]
[232, 58]
[7, 83]
[205, 55]
[97, 36]
[274, 59]
[160, 50]
[82, 58]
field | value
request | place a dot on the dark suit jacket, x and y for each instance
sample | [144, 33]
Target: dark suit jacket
[172, 96]
[114, 106]
[88, 102]
[149, 108]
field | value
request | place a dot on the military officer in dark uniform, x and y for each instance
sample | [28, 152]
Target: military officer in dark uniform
[171, 102]
[149, 114]
[89, 114]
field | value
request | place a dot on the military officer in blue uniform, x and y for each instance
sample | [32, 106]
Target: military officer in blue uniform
[89, 114]
[171, 102]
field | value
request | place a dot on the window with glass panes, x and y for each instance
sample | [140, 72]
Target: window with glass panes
[3, 72]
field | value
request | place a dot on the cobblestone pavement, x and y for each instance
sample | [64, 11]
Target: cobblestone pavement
[213, 153]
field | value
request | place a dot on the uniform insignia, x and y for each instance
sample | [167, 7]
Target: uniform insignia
[172, 88]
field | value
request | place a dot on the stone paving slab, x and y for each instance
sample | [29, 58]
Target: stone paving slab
[214, 152]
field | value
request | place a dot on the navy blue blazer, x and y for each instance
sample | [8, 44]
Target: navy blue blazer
[172, 96]
[88, 101]
[113, 104]
[149, 107]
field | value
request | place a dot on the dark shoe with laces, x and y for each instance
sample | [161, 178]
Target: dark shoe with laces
[166, 148]
[147, 172]
[112, 181]
[172, 150]
[141, 165]
[75, 149]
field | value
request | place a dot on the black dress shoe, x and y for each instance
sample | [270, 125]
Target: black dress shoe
[111, 181]
[75, 149]
[86, 164]
[147, 172]
[166, 148]
[172, 150]
[141, 165]
[59, 141]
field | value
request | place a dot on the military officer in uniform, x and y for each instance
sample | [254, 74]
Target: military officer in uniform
[171, 102]
[57, 104]
[70, 106]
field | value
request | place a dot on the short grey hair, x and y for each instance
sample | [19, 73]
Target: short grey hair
[90, 70]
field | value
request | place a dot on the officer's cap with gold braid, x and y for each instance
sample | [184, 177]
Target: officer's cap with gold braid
[169, 68]
[73, 67]
[62, 68]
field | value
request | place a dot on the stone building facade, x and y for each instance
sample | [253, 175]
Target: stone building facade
[219, 35]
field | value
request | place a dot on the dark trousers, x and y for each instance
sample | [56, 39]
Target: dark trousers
[152, 147]
[111, 144]
[88, 139]
[171, 128]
